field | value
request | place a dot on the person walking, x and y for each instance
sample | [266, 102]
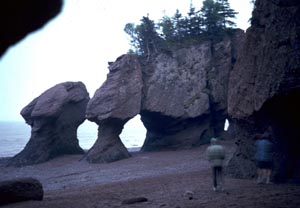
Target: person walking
[264, 156]
[216, 156]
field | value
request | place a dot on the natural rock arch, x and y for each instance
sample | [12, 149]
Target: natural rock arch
[181, 97]
[167, 132]
[114, 103]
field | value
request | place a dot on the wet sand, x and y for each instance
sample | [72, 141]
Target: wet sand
[163, 179]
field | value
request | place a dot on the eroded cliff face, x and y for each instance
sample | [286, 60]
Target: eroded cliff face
[185, 94]
[181, 96]
[264, 88]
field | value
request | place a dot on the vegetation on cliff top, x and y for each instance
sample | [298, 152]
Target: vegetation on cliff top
[212, 22]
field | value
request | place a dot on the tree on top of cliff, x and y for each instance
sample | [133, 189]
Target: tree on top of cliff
[212, 22]
[217, 17]
[226, 14]
[211, 17]
[144, 37]
[194, 23]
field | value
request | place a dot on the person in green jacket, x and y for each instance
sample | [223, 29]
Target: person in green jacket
[216, 156]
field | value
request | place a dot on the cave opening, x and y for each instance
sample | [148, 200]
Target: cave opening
[282, 113]
[165, 132]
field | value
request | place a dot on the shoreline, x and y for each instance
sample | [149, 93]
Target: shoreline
[162, 178]
[139, 165]
[133, 150]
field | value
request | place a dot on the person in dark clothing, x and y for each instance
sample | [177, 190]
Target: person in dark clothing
[264, 157]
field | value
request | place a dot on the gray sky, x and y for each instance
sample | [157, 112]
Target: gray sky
[77, 45]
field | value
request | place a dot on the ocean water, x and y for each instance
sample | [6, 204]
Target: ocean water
[14, 135]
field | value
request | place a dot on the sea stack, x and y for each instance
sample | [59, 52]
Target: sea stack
[54, 117]
[114, 103]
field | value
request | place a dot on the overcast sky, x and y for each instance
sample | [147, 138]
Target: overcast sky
[77, 44]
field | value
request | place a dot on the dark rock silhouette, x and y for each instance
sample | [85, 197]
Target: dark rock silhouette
[54, 117]
[181, 97]
[18, 18]
[21, 189]
[264, 88]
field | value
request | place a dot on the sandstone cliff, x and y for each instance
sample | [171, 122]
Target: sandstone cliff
[181, 97]
[264, 88]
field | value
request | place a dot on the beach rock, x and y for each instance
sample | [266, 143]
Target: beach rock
[264, 87]
[21, 189]
[114, 103]
[18, 18]
[54, 117]
[189, 194]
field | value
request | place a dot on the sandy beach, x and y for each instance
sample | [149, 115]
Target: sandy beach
[161, 179]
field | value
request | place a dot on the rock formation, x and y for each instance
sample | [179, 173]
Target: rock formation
[264, 88]
[114, 103]
[181, 97]
[185, 94]
[18, 18]
[54, 117]
[22, 189]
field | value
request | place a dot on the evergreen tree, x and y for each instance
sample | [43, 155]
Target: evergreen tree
[167, 28]
[194, 22]
[130, 29]
[226, 13]
[217, 17]
[144, 37]
[179, 26]
[212, 20]
[149, 37]
[210, 23]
